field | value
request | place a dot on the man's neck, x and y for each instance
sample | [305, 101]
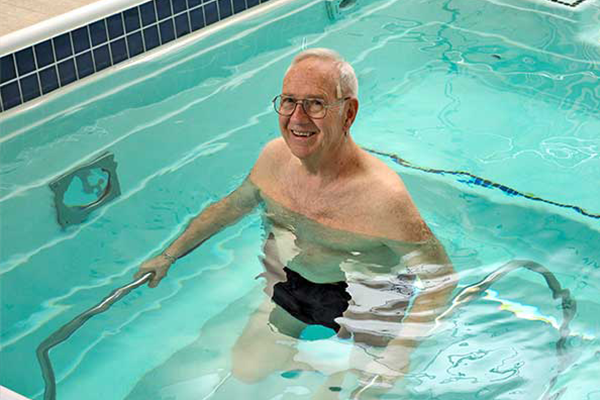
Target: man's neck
[337, 164]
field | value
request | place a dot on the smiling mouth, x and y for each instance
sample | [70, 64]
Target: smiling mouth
[302, 134]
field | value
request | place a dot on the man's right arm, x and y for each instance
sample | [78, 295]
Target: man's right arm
[211, 220]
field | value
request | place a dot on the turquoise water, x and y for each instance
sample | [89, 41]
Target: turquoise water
[507, 91]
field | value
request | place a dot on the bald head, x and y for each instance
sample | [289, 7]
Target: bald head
[346, 84]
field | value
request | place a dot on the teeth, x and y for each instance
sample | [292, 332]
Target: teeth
[303, 134]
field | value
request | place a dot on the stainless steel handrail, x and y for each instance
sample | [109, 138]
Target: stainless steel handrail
[569, 309]
[68, 329]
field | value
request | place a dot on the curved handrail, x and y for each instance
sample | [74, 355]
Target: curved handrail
[569, 306]
[68, 329]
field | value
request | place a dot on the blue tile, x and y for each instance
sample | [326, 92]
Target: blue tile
[179, 6]
[167, 32]
[148, 13]
[263, 1]
[252, 3]
[194, 3]
[81, 39]
[85, 64]
[132, 19]
[151, 37]
[115, 26]
[62, 46]
[135, 44]
[118, 49]
[44, 54]
[239, 5]
[211, 14]
[25, 61]
[163, 8]
[7, 68]
[30, 87]
[102, 57]
[10, 95]
[66, 72]
[98, 32]
[182, 25]
[225, 8]
[197, 19]
[49, 79]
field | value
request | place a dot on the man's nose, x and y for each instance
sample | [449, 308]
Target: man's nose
[299, 113]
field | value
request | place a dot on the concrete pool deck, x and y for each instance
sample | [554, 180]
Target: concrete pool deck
[20, 14]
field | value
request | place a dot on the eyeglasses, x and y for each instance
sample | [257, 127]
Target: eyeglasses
[314, 108]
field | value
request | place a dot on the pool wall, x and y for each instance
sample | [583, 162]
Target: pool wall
[70, 47]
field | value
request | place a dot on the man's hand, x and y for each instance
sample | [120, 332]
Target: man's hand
[159, 265]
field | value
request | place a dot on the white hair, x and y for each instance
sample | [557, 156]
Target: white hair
[347, 84]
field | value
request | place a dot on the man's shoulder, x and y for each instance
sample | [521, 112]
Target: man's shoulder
[274, 151]
[270, 160]
[392, 205]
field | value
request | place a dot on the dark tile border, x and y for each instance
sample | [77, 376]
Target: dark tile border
[571, 4]
[58, 61]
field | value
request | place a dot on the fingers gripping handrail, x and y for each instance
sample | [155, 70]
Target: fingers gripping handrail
[68, 329]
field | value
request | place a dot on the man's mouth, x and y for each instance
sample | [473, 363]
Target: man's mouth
[302, 134]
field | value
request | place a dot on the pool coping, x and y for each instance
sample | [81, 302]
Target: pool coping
[7, 394]
[63, 50]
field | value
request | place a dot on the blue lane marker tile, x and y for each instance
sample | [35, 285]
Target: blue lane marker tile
[44, 53]
[132, 19]
[194, 3]
[49, 79]
[239, 5]
[225, 9]
[7, 68]
[102, 58]
[118, 49]
[66, 72]
[210, 13]
[179, 6]
[30, 87]
[98, 32]
[151, 37]
[135, 44]
[196, 19]
[252, 3]
[182, 25]
[10, 95]
[85, 64]
[148, 13]
[167, 31]
[81, 39]
[62, 46]
[163, 9]
[25, 61]
[115, 26]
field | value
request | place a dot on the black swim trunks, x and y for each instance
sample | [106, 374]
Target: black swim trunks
[312, 303]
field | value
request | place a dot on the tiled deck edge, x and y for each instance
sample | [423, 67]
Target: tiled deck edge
[7, 394]
[72, 52]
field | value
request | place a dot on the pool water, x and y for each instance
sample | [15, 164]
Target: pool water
[506, 90]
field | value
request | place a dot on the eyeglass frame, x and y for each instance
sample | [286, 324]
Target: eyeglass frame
[302, 101]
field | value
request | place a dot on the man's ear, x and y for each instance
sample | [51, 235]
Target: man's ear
[350, 114]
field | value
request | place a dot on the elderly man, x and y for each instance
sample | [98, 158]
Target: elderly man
[344, 240]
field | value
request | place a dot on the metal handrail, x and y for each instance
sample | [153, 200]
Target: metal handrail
[68, 329]
[467, 294]
[569, 308]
